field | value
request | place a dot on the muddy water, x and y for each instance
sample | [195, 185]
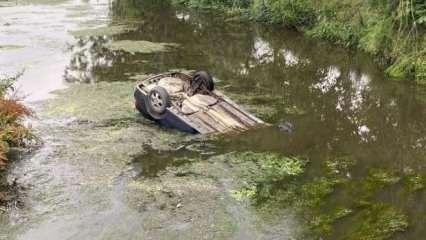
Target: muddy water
[104, 172]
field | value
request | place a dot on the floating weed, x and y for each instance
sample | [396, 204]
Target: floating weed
[377, 222]
[339, 166]
[263, 111]
[312, 194]
[102, 31]
[381, 177]
[84, 102]
[10, 47]
[243, 193]
[275, 178]
[277, 168]
[364, 189]
[294, 110]
[414, 181]
[322, 224]
[262, 172]
[273, 181]
[139, 77]
[272, 166]
[140, 46]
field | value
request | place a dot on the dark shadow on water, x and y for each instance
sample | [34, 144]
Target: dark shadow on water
[152, 161]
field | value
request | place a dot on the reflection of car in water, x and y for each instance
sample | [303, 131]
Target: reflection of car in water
[190, 103]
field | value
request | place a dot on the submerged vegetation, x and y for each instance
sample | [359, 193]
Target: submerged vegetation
[393, 31]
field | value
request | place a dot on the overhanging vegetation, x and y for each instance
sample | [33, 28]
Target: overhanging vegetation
[12, 132]
[393, 31]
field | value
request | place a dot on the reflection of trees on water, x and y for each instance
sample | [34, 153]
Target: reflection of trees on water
[88, 56]
[348, 108]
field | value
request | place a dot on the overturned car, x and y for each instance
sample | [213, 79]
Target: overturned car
[190, 104]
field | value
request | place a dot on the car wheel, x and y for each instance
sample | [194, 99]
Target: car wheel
[158, 101]
[202, 79]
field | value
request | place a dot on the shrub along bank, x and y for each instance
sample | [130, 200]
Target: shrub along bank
[12, 132]
[394, 31]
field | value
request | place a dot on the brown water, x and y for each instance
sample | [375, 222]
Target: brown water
[106, 173]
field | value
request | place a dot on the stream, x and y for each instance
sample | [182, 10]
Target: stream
[105, 172]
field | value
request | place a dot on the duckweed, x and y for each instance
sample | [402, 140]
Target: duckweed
[140, 46]
[102, 31]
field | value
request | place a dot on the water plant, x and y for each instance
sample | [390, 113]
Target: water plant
[283, 182]
[414, 181]
[378, 221]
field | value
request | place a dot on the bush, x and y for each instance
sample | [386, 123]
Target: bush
[420, 68]
[336, 32]
[6, 84]
[410, 67]
[217, 4]
[12, 132]
[292, 13]
[3, 150]
[376, 38]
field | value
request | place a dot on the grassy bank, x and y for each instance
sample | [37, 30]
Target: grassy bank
[12, 132]
[393, 31]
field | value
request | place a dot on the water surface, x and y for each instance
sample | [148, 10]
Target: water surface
[106, 173]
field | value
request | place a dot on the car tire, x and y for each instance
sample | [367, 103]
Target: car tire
[205, 79]
[158, 100]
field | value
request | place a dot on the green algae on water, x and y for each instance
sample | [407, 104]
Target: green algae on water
[139, 77]
[101, 102]
[102, 31]
[380, 178]
[41, 2]
[270, 186]
[10, 47]
[377, 222]
[339, 165]
[7, 4]
[140, 46]
[272, 166]
[413, 181]
[322, 223]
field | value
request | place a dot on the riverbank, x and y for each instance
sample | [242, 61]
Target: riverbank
[394, 32]
[12, 132]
